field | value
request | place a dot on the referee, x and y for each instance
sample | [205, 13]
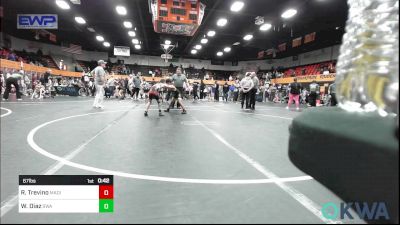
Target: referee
[179, 80]
[13, 80]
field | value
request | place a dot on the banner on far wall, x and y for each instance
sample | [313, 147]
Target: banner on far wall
[306, 79]
[282, 47]
[309, 38]
[297, 42]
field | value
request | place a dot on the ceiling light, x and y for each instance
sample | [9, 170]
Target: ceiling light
[80, 20]
[127, 24]
[132, 33]
[135, 41]
[289, 13]
[62, 4]
[106, 44]
[237, 6]
[91, 29]
[236, 43]
[194, 51]
[204, 41]
[167, 42]
[166, 47]
[99, 38]
[265, 27]
[121, 10]
[222, 22]
[248, 37]
[227, 49]
[220, 53]
[211, 33]
[198, 47]
[138, 46]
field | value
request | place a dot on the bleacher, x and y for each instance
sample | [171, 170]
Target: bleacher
[50, 62]
[85, 65]
[30, 57]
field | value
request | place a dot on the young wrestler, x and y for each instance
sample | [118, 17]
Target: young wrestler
[39, 91]
[176, 96]
[154, 93]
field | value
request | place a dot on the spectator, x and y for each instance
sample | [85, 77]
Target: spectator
[225, 90]
[294, 94]
[314, 92]
[254, 90]
[202, 89]
[332, 94]
[39, 53]
[216, 91]
[12, 56]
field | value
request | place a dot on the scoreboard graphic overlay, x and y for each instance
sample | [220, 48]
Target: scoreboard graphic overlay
[66, 194]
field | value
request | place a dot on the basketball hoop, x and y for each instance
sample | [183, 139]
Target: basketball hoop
[167, 49]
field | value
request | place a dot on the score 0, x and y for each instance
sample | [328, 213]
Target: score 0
[106, 201]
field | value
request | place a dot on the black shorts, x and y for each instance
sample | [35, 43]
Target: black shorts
[181, 91]
[154, 96]
[176, 94]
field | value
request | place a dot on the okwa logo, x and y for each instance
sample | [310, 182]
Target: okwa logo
[365, 211]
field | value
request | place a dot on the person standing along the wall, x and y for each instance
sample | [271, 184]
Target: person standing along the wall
[195, 91]
[332, 94]
[314, 92]
[294, 94]
[236, 91]
[216, 91]
[254, 90]
[99, 78]
[225, 90]
[202, 88]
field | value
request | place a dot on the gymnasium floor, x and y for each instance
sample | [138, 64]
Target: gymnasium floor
[217, 164]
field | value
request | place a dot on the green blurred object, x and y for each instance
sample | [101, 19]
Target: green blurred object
[356, 155]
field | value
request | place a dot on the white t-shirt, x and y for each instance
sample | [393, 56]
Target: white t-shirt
[246, 83]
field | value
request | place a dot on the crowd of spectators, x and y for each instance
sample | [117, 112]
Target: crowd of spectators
[312, 69]
[270, 92]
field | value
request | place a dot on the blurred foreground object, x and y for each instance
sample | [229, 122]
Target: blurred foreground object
[368, 66]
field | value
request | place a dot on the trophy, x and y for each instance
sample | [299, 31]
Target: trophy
[368, 66]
